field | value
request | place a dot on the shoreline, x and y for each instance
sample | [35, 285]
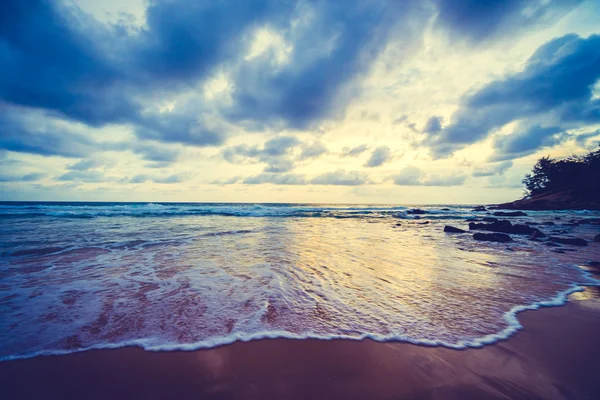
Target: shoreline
[551, 357]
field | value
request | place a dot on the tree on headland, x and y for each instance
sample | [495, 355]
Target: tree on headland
[579, 174]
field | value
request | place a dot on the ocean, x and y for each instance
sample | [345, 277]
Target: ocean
[184, 276]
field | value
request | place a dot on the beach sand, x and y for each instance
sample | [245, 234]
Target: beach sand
[555, 356]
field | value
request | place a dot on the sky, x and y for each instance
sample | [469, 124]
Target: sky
[363, 101]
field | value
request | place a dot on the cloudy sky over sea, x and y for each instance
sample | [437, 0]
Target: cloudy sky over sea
[369, 101]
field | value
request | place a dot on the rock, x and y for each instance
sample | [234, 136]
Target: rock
[510, 214]
[492, 237]
[489, 219]
[503, 226]
[398, 224]
[537, 234]
[569, 241]
[479, 208]
[416, 211]
[445, 209]
[423, 223]
[451, 229]
[597, 238]
[593, 263]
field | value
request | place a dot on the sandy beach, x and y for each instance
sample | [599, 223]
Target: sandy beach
[553, 357]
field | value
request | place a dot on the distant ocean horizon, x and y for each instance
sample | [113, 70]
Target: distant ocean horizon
[188, 275]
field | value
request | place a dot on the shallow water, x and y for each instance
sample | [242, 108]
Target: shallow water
[184, 276]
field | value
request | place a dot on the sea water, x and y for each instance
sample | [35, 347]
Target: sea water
[167, 276]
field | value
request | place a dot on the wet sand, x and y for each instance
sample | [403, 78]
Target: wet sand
[556, 356]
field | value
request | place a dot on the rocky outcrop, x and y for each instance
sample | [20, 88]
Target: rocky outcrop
[510, 214]
[559, 200]
[492, 237]
[597, 238]
[504, 226]
[451, 229]
[569, 241]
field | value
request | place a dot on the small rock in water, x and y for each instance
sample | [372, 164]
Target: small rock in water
[480, 208]
[489, 219]
[510, 214]
[597, 238]
[451, 229]
[537, 234]
[570, 241]
[416, 211]
[593, 263]
[492, 237]
[552, 244]
[423, 223]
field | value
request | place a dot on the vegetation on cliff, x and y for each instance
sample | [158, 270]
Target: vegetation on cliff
[579, 174]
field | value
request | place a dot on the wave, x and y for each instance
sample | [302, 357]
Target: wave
[510, 317]
[141, 210]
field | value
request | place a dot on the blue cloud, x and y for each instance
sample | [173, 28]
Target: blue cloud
[31, 177]
[498, 169]
[478, 20]
[556, 85]
[380, 156]
[342, 178]
[413, 176]
[354, 151]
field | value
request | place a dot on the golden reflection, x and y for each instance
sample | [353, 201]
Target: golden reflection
[590, 293]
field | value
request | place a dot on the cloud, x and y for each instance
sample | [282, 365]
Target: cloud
[380, 156]
[479, 20]
[154, 152]
[281, 154]
[84, 176]
[556, 85]
[354, 151]
[498, 169]
[413, 176]
[84, 165]
[527, 141]
[275, 179]
[433, 125]
[22, 131]
[169, 179]
[31, 177]
[341, 178]
[314, 150]
[331, 43]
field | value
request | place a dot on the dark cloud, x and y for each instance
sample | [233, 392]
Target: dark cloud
[524, 142]
[342, 178]
[354, 151]
[20, 131]
[31, 177]
[433, 125]
[332, 43]
[556, 85]
[413, 176]
[497, 169]
[380, 156]
[478, 20]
